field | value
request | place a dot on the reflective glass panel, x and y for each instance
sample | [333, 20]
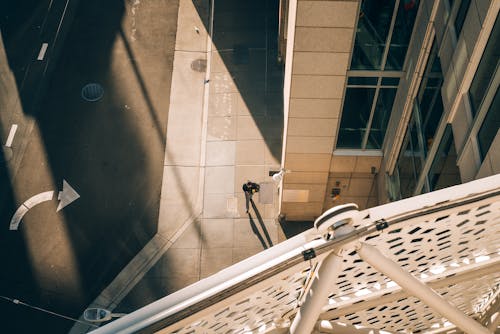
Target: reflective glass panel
[355, 115]
[490, 126]
[486, 69]
[381, 117]
[461, 14]
[371, 35]
[410, 159]
[403, 27]
[362, 81]
[433, 116]
[429, 99]
[390, 81]
[444, 171]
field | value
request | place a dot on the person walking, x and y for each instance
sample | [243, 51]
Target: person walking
[249, 189]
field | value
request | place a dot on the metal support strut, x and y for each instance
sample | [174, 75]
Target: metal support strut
[317, 296]
[408, 282]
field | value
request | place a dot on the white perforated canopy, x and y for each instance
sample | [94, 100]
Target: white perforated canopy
[449, 239]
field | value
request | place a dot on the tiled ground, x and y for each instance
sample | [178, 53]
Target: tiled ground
[245, 125]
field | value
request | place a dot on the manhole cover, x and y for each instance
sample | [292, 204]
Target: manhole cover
[92, 92]
[199, 65]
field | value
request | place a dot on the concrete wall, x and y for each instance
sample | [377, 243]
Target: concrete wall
[323, 40]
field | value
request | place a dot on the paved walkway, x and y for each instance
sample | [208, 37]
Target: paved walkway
[224, 128]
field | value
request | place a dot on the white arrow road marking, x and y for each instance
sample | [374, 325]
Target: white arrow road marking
[31, 202]
[66, 196]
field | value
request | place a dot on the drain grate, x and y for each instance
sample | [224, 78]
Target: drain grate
[92, 92]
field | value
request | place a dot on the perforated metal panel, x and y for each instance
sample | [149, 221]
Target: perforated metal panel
[449, 239]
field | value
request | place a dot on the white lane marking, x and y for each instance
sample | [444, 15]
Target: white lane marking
[12, 133]
[66, 196]
[38, 198]
[43, 49]
[23, 209]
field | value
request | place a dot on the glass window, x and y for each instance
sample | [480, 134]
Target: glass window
[361, 81]
[373, 28]
[390, 81]
[444, 171]
[383, 29]
[433, 117]
[381, 116]
[490, 126]
[429, 100]
[403, 27]
[411, 158]
[355, 115]
[486, 69]
[461, 14]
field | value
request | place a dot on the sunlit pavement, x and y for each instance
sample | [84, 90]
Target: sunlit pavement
[244, 125]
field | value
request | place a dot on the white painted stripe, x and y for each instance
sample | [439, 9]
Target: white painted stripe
[24, 208]
[39, 198]
[12, 133]
[43, 49]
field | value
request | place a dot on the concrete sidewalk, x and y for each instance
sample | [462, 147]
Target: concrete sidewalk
[224, 128]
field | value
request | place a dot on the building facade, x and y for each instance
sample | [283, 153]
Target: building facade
[386, 99]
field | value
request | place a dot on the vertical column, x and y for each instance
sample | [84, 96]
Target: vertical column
[320, 38]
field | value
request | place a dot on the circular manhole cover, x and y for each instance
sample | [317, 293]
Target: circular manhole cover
[199, 65]
[92, 92]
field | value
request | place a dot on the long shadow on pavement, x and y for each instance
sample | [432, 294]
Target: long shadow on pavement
[245, 34]
[262, 226]
[111, 151]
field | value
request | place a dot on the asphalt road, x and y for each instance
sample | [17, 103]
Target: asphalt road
[110, 151]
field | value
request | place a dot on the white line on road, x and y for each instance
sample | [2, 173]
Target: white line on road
[24, 208]
[12, 133]
[43, 49]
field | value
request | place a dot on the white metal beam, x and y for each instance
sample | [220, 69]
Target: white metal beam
[317, 296]
[377, 260]
[389, 295]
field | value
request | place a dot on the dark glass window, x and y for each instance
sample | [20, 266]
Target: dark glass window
[461, 14]
[383, 30]
[490, 126]
[486, 69]
[403, 27]
[390, 81]
[410, 159]
[361, 81]
[373, 28]
[444, 171]
[381, 117]
[355, 115]
[429, 99]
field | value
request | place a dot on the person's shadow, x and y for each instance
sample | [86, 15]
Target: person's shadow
[255, 229]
